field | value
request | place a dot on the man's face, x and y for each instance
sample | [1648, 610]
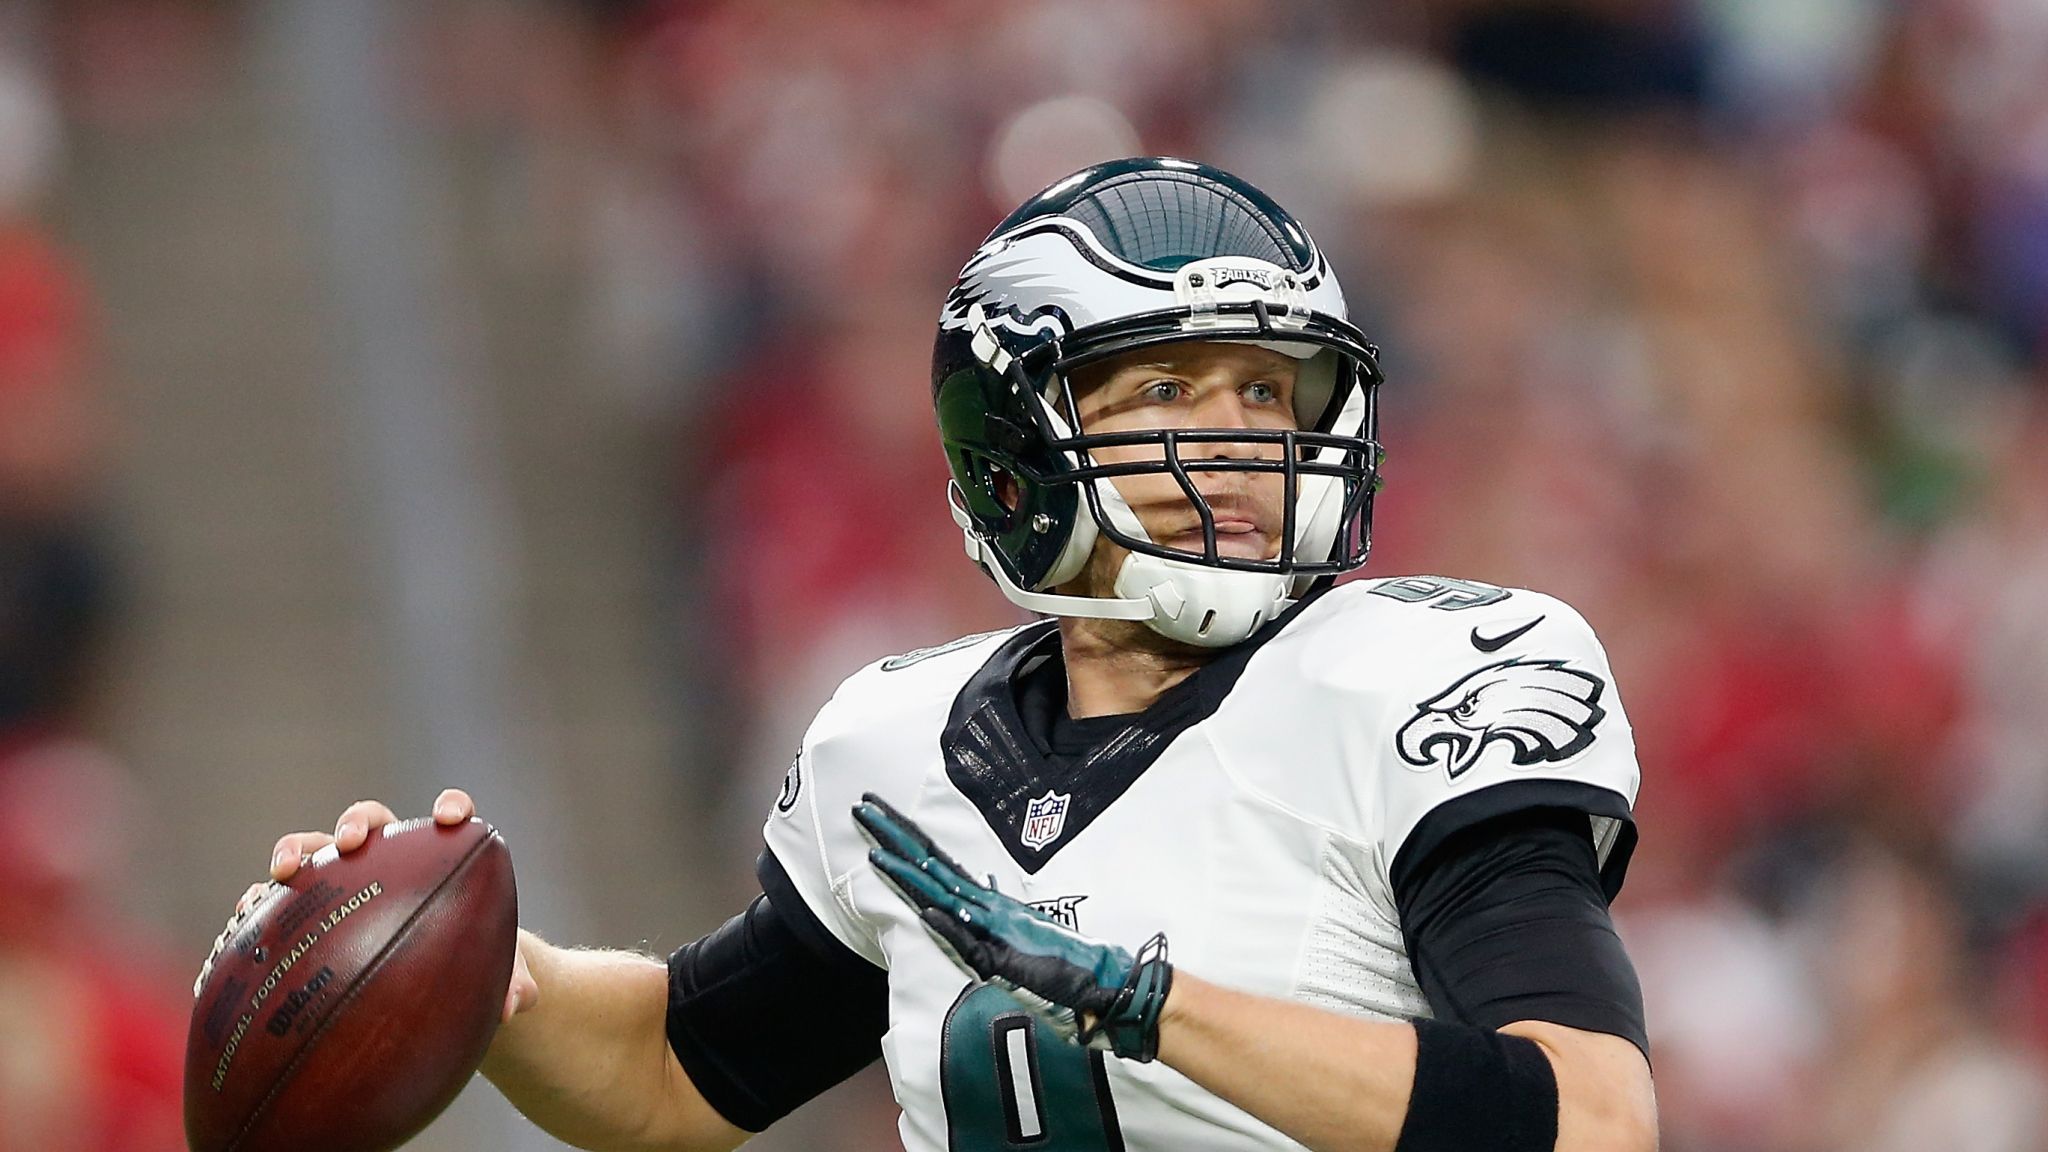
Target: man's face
[1196, 385]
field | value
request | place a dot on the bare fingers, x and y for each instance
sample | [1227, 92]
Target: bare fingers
[358, 820]
[292, 850]
[353, 830]
[453, 806]
[350, 832]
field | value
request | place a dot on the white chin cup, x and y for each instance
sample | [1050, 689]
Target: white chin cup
[1206, 607]
[1191, 603]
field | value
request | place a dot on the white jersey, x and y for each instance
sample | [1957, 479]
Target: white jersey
[1259, 824]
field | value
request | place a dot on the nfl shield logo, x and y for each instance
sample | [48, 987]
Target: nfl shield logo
[1044, 819]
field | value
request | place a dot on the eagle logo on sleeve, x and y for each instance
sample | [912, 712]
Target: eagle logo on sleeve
[1543, 710]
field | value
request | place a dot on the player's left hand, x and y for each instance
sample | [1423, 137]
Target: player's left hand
[1095, 992]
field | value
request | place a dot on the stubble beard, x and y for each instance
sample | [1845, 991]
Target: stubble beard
[1097, 580]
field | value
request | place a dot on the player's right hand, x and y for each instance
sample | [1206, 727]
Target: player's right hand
[351, 832]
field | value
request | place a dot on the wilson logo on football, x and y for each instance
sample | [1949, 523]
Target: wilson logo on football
[1543, 710]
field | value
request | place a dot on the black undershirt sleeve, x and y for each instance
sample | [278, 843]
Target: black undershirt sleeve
[771, 1009]
[1507, 920]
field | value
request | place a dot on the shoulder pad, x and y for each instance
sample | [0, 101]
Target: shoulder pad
[866, 738]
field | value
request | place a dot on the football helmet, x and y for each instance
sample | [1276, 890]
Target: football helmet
[1133, 254]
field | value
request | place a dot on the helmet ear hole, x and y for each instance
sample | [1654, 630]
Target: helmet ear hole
[1004, 487]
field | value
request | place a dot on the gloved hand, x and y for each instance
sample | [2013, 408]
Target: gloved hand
[1094, 992]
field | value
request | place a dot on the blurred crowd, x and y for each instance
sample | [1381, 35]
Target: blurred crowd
[1725, 320]
[91, 1033]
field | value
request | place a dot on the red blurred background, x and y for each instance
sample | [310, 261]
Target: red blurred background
[544, 385]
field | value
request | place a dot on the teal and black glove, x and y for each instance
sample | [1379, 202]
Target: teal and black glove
[1096, 993]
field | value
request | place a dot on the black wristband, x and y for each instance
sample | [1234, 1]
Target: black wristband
[1478, 1089]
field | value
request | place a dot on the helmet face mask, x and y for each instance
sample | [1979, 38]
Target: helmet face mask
[1191, 255]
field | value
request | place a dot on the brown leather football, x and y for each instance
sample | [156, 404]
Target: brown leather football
[349, 1005]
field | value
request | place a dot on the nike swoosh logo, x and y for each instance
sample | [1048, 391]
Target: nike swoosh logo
[1503, 640]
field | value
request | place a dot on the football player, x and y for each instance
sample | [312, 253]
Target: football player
[1215, 856]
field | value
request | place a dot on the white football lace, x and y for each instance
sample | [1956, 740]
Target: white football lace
[246, 907]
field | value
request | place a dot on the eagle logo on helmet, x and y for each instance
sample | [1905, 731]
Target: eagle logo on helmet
[1544, 711]
[1009, 286]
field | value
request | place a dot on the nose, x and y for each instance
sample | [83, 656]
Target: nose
[1225, 410]
[1222, 408]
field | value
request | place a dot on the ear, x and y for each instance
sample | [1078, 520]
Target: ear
[1007, 489]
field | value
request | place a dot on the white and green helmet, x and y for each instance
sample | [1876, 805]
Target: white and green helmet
[1132, 254]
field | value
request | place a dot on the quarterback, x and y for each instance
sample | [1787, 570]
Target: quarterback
[1215, 855]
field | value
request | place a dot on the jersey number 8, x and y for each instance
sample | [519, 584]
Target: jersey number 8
[1009, 1084]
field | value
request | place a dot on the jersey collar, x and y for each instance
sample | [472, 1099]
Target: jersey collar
[1037, 801]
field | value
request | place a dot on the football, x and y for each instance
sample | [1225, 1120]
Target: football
[351, 1004]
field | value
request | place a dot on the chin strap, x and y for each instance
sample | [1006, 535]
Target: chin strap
[1052, 604]
[1198, 605]
[1044, 603]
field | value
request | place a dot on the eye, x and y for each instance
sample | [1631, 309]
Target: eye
[1261, 392]
[1465, 708]
[1162, 391]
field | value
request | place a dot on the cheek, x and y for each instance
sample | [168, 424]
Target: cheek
[1151, 496]
[1152, 488]
[1144, 489]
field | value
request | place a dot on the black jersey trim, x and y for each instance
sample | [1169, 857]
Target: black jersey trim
[795, 912]
[1497, 800]
[993, 760]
